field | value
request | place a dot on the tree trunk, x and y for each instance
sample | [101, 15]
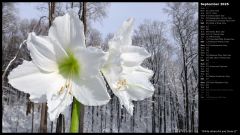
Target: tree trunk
[153, 107]
[93, 120]
[171, 115]
[186, 87]
[51, 127]
[82, 109]
[58, 125]
[84, 17]
[51, 7]
[111, 116]
[101, 117]
[43, 120]
[118, 117]
[29, 105]
[164, 106]
[32, 116]
[153, 114]
[133, 122]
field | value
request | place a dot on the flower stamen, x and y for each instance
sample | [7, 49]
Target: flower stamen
[121, 84]
[68, 85]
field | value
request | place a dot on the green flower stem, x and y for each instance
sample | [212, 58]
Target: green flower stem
[75, 116]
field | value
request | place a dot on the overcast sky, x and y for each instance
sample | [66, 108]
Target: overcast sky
[117, 13]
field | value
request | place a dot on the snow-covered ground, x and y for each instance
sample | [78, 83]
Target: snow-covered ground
[107, 118]
[14, 117]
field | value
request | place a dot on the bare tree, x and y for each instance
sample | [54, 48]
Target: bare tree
[9, 24]
[93, 38]
[97, 11]
[105, 43]
[184, 32]
[151, 35]
[9, 16]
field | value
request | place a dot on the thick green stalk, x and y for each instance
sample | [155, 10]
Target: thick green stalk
[75, 116]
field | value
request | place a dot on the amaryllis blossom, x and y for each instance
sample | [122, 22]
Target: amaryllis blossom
[123, 71]
[62, 68]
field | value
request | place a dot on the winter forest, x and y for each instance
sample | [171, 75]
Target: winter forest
[174, 61]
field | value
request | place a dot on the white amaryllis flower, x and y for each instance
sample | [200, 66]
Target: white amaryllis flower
[123, 71]
[62, 68]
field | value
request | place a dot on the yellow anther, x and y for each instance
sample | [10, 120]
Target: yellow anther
[60, 91]
[121, 84]
[67, 86]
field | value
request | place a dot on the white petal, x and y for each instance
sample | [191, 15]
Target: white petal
[91, 60]
[123, 96]
[112, 67]
[125, 101]
[58, 97]
[57, 103]
[68, 30]
[30, 79]
[111, 74]
[91, 91]
[133, 55]
[147, 72]
[139, 86]
[42, 52]
[123, 36]
[114, 57]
